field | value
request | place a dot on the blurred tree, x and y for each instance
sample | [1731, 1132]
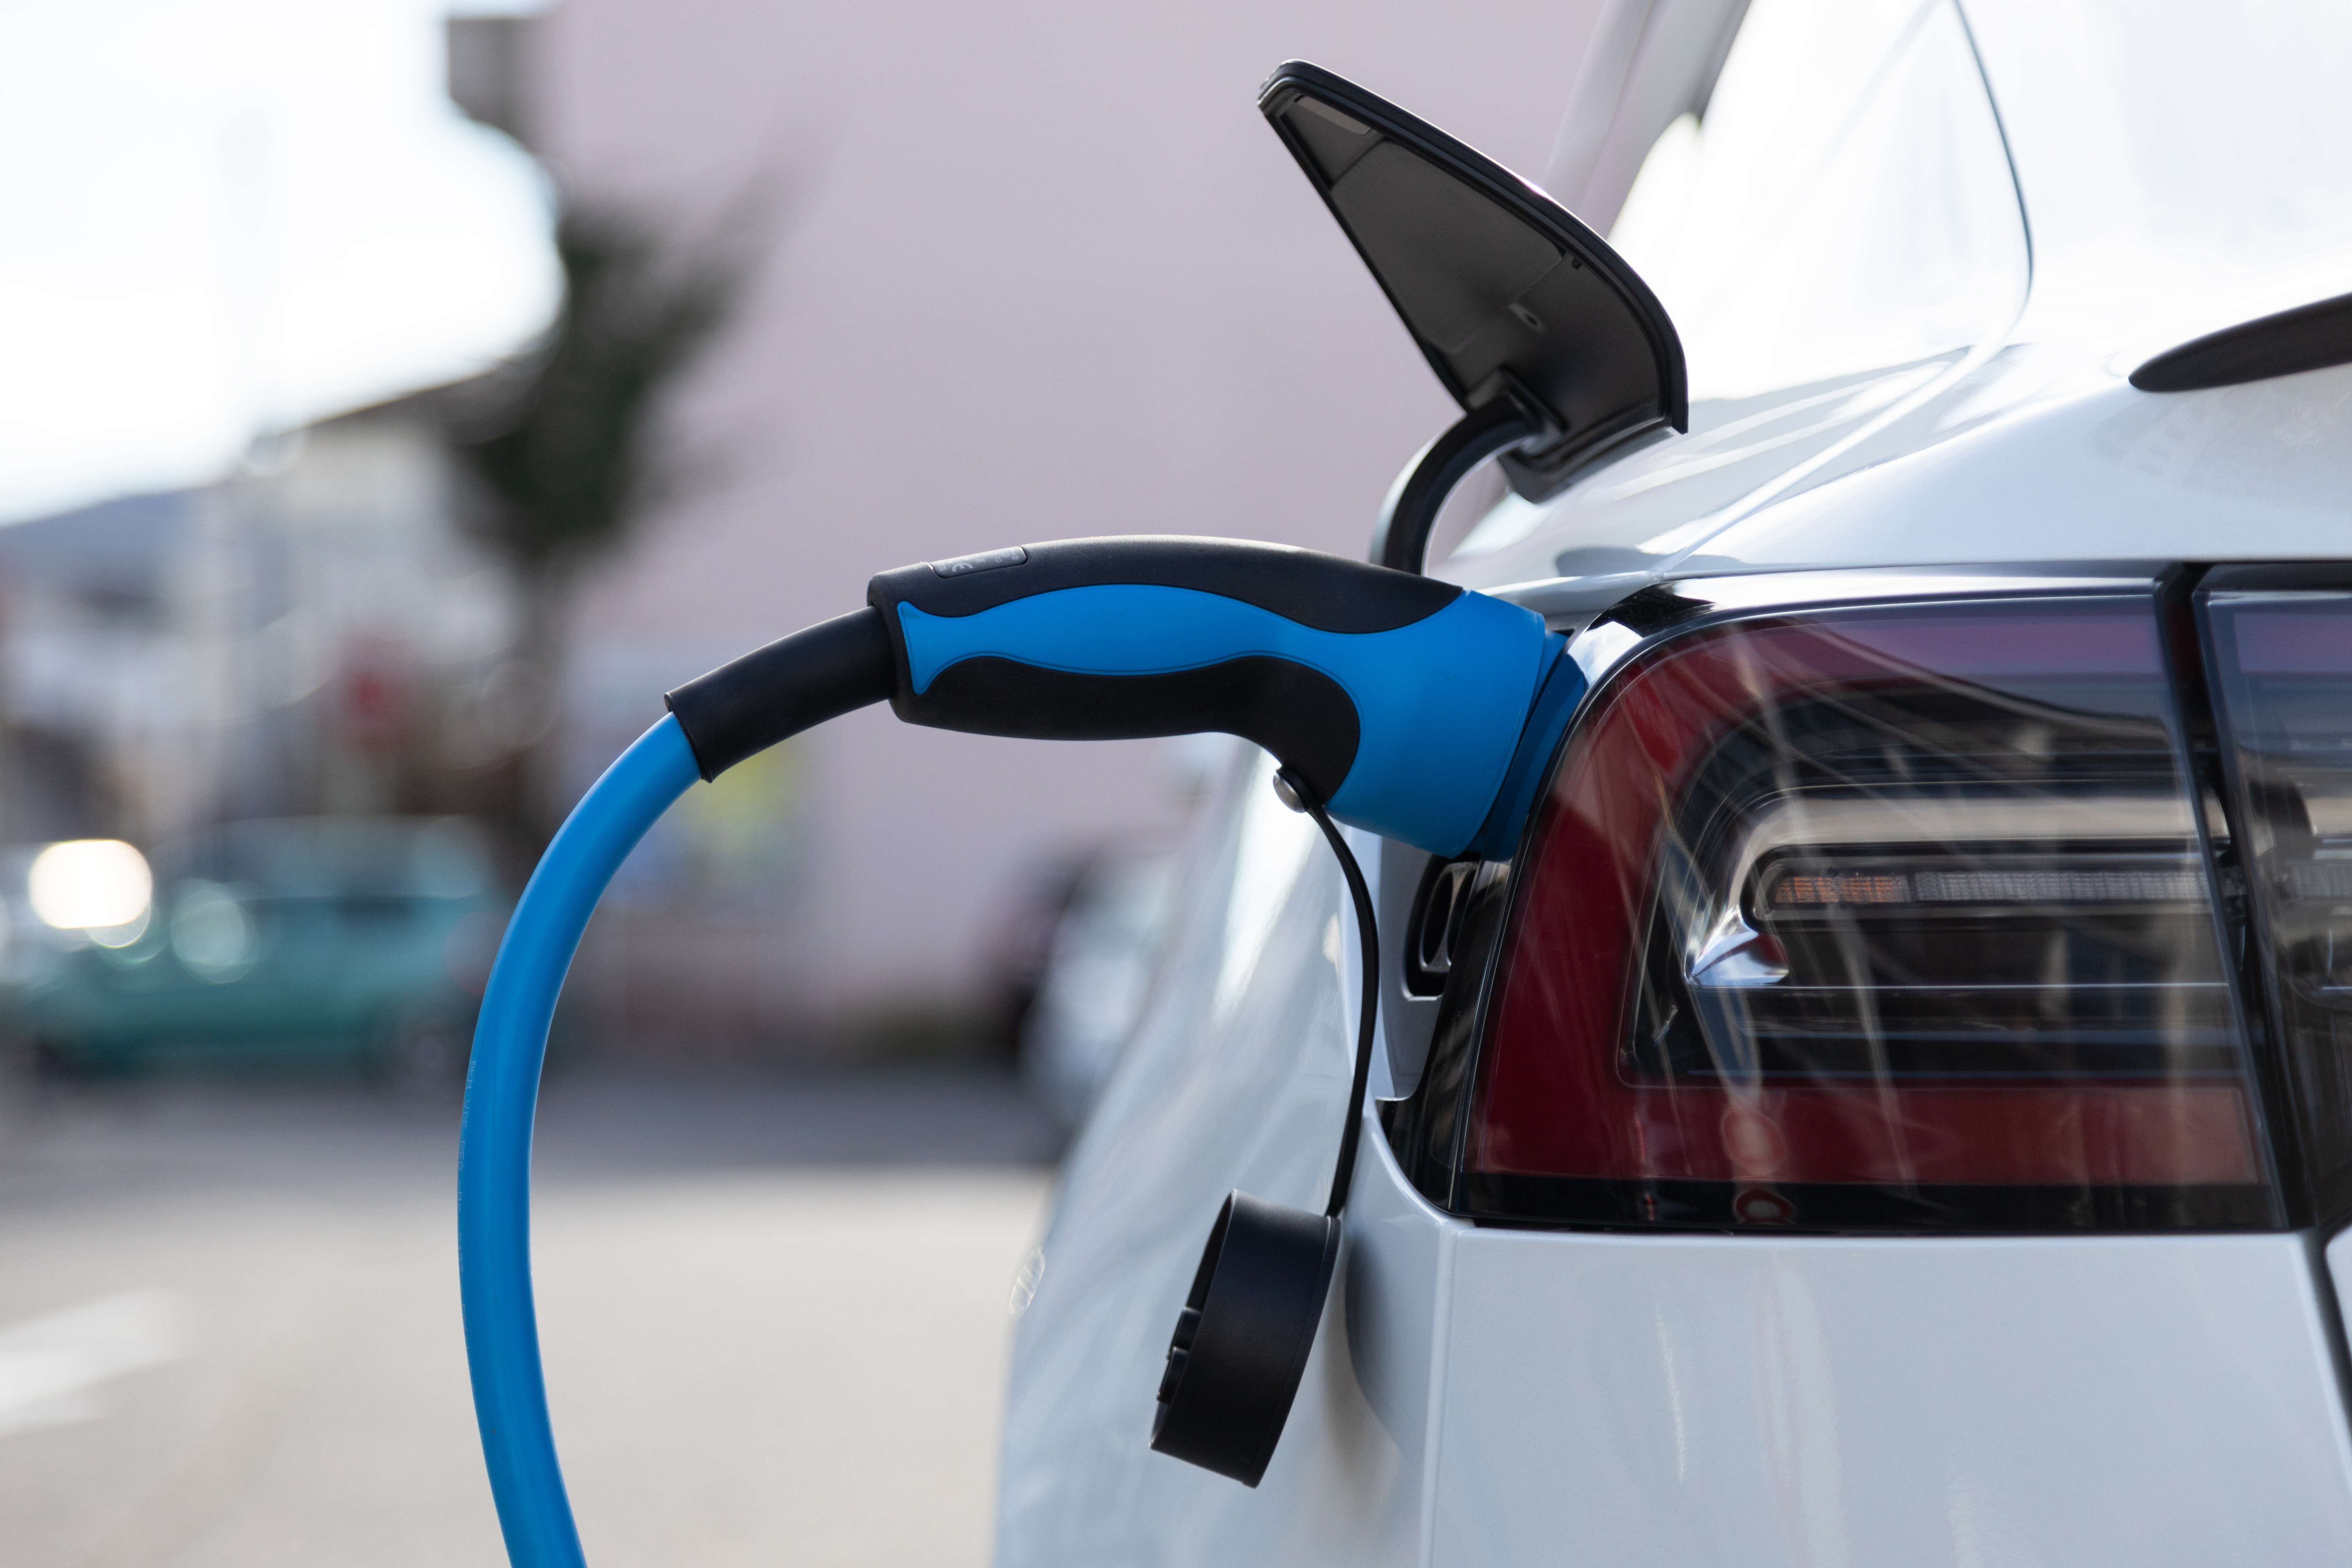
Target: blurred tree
[566, 443]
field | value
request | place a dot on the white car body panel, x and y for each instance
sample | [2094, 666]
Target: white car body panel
[2084, 469]
[1669, 1400]
[1491, 1397]
[1703, 1400]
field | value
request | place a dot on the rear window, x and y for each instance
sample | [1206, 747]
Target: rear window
[1844, 205]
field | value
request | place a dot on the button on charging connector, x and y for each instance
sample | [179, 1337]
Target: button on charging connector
[986, 561]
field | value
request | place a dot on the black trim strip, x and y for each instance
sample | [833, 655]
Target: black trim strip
[2309, 337]
[1835, 1206]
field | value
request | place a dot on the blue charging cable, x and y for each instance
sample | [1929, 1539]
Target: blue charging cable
[494, 1146]
[1403, 705]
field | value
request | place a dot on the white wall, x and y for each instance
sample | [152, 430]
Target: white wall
[1041, 270]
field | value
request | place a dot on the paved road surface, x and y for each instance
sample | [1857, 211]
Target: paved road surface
[774, 1315]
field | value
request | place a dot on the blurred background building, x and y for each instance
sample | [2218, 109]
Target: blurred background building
[310, 636]
[989, 275]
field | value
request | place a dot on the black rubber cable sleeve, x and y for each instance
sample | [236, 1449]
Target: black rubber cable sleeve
[795, 683]
[1368, 933]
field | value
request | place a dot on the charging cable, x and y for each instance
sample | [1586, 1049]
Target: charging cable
[1393, 703]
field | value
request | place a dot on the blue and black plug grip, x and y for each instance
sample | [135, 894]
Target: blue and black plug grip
[1398, 699]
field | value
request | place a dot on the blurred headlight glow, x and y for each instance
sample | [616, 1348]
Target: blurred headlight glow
[90, 884]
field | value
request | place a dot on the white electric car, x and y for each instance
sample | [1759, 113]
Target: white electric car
[1894, 1104]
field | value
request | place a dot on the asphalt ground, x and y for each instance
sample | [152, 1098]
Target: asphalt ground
[774, 1307]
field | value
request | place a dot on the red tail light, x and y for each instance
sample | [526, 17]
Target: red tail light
[1892, 917]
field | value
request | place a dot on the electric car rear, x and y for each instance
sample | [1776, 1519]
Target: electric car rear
[1891, 1102]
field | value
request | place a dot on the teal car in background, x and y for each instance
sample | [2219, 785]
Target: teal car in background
[353, 943]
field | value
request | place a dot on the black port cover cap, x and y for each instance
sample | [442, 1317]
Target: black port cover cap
[1241, 1342]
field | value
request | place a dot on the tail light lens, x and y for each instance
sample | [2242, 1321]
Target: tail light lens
[1880, 918]
[2281, 662]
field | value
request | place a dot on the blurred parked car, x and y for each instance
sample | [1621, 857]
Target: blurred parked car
[357, 942]
[1097, 969]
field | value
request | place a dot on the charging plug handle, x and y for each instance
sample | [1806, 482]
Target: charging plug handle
[1098, 640]
[1395, 698]
[1397, 701]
